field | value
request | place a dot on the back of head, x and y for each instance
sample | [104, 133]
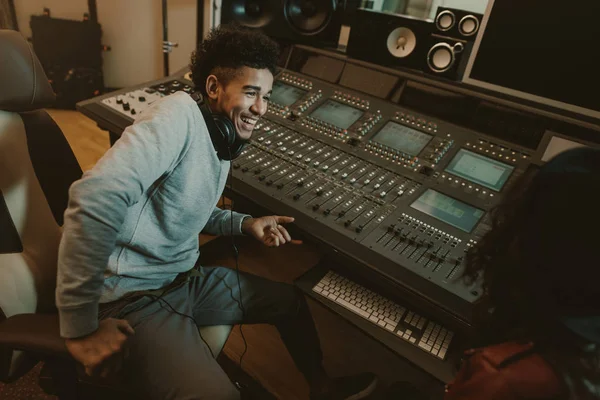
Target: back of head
[541, 253]
[229, 47]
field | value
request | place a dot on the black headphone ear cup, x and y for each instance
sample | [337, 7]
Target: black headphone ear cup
[226, 128]
[232, 144]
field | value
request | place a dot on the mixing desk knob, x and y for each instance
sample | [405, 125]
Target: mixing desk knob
[341, 213]
[269, 182]
[335, 171]
[327, 212]
[244, 169]
[347, 223]
[344, 175]
[126, 106]
[279, 185]
[299, 182]
[297, 196]
[315, 207]
[142, 99]
[119, 100]
[133, 112]
[236, 165]
[400, 192]
[261, 178]
[382, 194]
[351, 180]
[325, 167]
[359, 229]
[319, 191]
[377, 186]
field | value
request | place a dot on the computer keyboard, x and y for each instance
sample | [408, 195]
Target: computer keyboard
[406, 324]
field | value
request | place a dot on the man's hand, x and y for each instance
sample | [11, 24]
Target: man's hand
[269, 230]
[102, 352]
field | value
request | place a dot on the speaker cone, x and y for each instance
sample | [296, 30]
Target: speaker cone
[468, 25]
[401, 42]
[252, 13]
[445, 20]
[441, 57]
[309, 17]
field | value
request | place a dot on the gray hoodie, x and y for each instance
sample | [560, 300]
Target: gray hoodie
[133, 221]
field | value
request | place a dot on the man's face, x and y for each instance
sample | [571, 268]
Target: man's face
[243, 99]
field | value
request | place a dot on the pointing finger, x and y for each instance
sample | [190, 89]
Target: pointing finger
[284, 220]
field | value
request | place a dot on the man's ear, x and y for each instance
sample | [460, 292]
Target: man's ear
[212, 87]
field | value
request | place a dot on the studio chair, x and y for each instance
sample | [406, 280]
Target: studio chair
[37, 167]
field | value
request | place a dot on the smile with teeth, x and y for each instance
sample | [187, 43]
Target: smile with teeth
[247, 120]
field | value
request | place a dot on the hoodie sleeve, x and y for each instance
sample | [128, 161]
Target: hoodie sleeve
[221, 222]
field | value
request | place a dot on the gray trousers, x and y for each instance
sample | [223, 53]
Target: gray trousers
[169, 360]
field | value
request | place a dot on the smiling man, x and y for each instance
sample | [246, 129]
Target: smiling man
[125, 292]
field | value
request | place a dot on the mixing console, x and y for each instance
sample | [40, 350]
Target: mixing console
[391, 187]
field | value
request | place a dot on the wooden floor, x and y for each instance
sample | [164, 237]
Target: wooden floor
[346, 350]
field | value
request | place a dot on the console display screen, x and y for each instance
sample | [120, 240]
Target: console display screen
[285, 94]
[337, 114]
[402, 138]
[480, 169]
[448, 210]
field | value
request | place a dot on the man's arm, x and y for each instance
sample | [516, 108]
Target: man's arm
[97, 207]
[221, 222]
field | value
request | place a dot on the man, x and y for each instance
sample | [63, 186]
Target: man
[132, 227]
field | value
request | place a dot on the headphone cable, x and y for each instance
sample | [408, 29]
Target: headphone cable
[237, 266]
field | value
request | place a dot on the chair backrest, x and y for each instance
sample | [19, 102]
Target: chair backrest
[37, 167]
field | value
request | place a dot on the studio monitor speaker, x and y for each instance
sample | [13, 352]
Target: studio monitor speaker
[389, 39]
[457, 23]
[312, 22]
[447, 57]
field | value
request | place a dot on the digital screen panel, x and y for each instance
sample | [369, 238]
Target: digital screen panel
[337, 114]
[479, 169]
[446, 209]
[402, 138]
[285, 94]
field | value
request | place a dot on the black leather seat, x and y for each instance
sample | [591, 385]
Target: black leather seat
[37, 166]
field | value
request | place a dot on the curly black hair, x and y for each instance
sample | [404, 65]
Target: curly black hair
[229, 47]
[539, 265]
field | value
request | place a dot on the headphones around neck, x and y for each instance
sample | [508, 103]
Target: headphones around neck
[223, 134]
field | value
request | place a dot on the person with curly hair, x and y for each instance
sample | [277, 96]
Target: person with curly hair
[127, 293]
[538, 320]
